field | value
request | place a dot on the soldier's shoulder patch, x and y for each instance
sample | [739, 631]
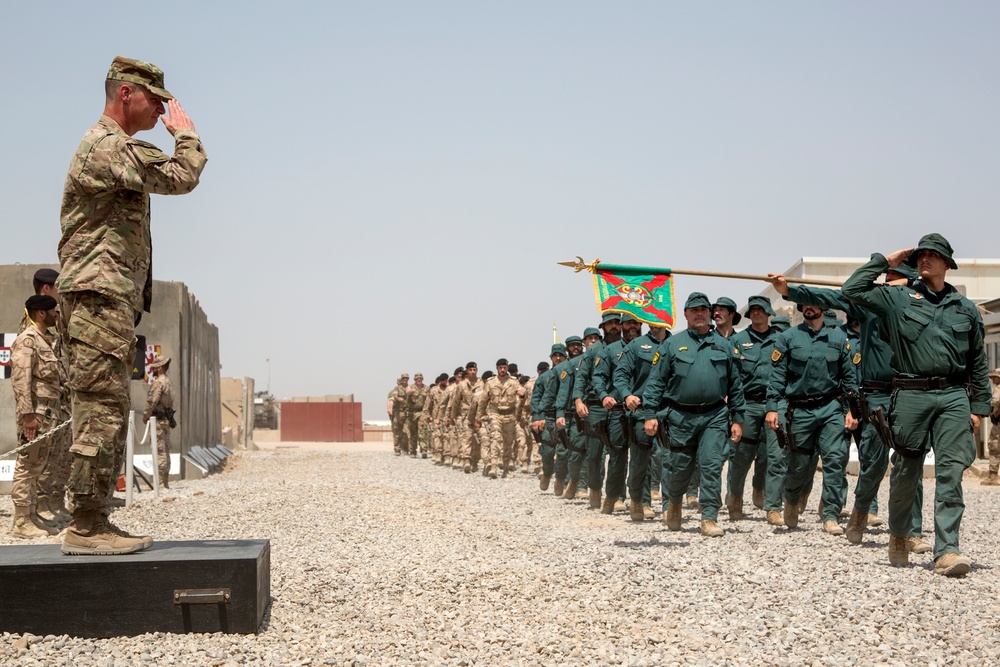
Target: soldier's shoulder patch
[656, 357]
[27, 341]
[857, 358]
[562, 376]
[620, 355]
[147, 153]
[597, 362]
[848, 346]
[682, 348]
[775, 355]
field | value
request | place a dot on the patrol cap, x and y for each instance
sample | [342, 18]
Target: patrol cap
[697, 300]
[488, 374]
[418, 375]
[502, 362]
[591, 331]
[904, 270]
[40, 302]
[542, 366]
[995, 373]
[558, 348]
[938, 244]
[762, 302]
[611, 317]
[404, 376]
[573, 339]
[726, 302]
[46, 276]
[159, 361]
[470, 365]
[147, 75]
[781, 323]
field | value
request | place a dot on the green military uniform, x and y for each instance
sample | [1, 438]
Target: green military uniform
[569, 450]
[540, 411]
[937, 352]
[692, 377]
[605, 362]
[813, 370]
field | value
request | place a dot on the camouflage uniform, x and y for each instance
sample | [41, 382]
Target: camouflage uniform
[993, 444]
[429, 421]
[499, 404]
[159, 399]
[458, 411]
[106, 282]
[416, 425]
[398, 416]
[38, 379]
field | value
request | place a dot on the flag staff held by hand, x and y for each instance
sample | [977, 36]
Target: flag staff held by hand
[580, 265]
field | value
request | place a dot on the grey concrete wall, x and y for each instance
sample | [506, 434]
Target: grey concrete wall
[182, 330]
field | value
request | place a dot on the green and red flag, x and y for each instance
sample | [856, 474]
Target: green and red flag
[646, 293]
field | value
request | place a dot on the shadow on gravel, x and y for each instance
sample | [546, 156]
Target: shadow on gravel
[641, 544]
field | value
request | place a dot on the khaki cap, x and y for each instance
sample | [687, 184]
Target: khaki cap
[145, 74]
[159, 361]
[995, 373]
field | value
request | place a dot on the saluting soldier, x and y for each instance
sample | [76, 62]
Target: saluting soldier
[940, 385]
[695, 375]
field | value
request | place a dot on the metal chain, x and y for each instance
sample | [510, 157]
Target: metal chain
[47, 434]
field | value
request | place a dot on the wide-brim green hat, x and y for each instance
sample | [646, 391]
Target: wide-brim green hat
[938, 244]
[697, 300]
[761, 302]
[726, 302]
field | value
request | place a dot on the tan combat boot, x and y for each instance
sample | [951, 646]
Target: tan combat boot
[608, 506]
[635, 511]
[856, 525]
[898, 551]
[145, 540]
[43, 511]
[654, 495]
[570, 492]
[620, 505]
[917, 546]
[558, 487]
[774, 518]
[791, 515]
[831, 527]
[648, 513]
[672, 517]
[803, 504]
[758, 498]
[874, 521]
[991, 479]
[543, 482]
[89, 534]
[734, 504]
[692, 503]
[24, 527]
[595, 499]
[711, 529]
[952, 565]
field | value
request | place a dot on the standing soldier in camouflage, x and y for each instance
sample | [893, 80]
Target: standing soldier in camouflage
[499, 402]
[431, 422]
[533, 438]
[992, 479]
[461, 404]
[37, 378]
[160, 404]
[397, 415]
[452, 439]
[106, 281]
[479, 422]
[416, 401]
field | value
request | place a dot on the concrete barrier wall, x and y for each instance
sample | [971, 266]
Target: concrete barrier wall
[182, 330]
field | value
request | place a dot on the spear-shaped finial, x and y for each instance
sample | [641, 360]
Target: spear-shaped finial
[580, 265]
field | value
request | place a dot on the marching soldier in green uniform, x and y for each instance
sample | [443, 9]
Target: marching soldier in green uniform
[582, 437]
[940, 389]
[694, 373]
[559, 400]
[589, 407]
[813, 370]
[613, 402]
[543, 418]
[754, 347]
[631, 374]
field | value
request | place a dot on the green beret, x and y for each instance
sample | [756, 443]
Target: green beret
[145, 74]
[697, 300]
[761, 302]
[938, 244]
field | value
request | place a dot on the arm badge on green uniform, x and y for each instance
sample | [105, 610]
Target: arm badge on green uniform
[656, 357]
[775, 355]
[857, 358]
[562, 376]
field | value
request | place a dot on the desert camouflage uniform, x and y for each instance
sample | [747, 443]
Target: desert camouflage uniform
[458, 410]
[429, 421]
[450, 436]
[416, 402]
[106, 282]
[159, 398]
[527, 453]
[499, 406]
[993, 445]
[38, 380]
[397, 395]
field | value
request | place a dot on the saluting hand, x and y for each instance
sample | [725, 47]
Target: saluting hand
[897, 258]
[176, 118]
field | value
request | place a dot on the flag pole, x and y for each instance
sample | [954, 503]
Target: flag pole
[580, 265]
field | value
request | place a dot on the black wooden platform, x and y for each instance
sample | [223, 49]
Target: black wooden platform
[204, 586]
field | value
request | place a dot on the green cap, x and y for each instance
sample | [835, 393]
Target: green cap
[761, 302]
[145, 74]
[591, 331]
[938, 244]
[611, 317]
[574, 339]
[907, 272]
[697, 300]
[627, 317]
[558, 348]
[781, 323]
[726, 302]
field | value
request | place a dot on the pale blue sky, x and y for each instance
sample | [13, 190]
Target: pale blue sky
[390, 185]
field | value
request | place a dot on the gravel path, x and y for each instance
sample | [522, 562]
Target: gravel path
[379, 560]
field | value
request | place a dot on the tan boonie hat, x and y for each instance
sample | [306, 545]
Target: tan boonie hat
[995, 373]
[418, 375]
[159, 361]
[145, 74]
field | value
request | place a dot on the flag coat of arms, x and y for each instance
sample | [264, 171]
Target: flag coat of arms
[6, 340]
[645, 293]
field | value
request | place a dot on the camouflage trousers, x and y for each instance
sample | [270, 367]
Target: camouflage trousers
[30, 463]
[163, 449]
[502, 435]
[993, 448]
[400, 442]
[439, 436]
[417, 436]
[99, 338]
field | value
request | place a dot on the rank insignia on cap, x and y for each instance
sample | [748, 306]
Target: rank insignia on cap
[681, 349]
[775, 355]
[562, 376]
[656, 357]
[857, 358]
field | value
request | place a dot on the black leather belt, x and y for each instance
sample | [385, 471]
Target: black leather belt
[755, 396]
[876, 385]
[811, 401]
[935, 382]
[594, 403]
[694, 409]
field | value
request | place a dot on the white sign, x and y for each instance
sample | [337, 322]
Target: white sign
[7, 470]
[144, 462]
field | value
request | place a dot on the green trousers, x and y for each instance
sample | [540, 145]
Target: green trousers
[705, 436]
[594, 458]
[640, 455]
[576, 458]
[819, 432]
[547, 449]
[758, 443]
[614, 486]
[943, 416]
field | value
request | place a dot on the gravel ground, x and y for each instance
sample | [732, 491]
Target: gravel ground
[379, 560]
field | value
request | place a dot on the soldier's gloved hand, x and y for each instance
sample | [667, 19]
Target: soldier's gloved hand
[609, 402]
[30, 426]
[771, 419]
[651, 426]
[632, 402]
